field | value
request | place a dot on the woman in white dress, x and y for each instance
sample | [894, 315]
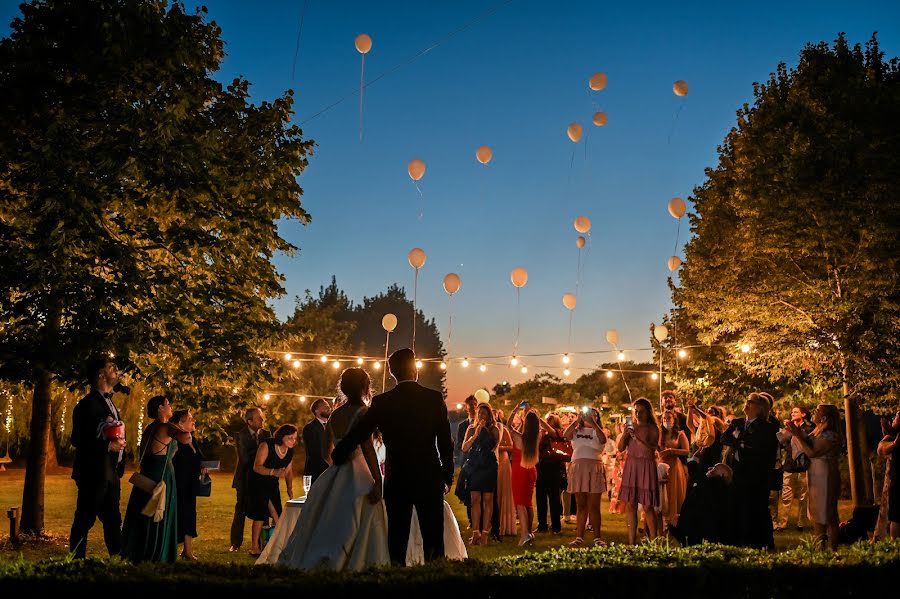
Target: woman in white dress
[343, 524]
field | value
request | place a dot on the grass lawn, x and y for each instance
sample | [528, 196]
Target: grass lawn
[214, 516]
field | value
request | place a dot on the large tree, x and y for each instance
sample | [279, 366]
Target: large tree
[797, 232]
[139, 201]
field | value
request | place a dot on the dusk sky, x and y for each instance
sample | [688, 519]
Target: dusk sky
[514, 80]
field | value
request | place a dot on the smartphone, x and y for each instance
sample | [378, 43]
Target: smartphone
[523, 404]
[629, 421]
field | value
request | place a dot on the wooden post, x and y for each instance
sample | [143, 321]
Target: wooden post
[13, 514]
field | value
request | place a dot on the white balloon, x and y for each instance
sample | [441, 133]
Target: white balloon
[680, 88]
[612, 336]
[583, 224]
[416, 258]
[519, 276]
[677, 207]
[660, 331]
[452, 283]
[674, 263]
[580, 241]
[389, 322]
[482, 396]
[569, 301]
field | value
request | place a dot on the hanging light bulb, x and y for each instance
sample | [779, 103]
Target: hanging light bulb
[287, 357]
[566, 359]
[267, 397]
[465, 363]
[514, 362]
[654, 376]
[609, 374]
[377, 365]
[621, 356]
[296, 364]
[418, 364]
[335, 364]
[443, 366]
[682, 353]
[745, 348]
[567, 372]
[324, 359]
[360, 361]
[482, 368]
[302, 399]
[524, 370]
[459, 406]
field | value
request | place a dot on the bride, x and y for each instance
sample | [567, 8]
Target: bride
[343, 524]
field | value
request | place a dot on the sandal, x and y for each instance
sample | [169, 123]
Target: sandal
[475, 539]
[578, 542]
[527, 541]
[485, 537]
[598, 542]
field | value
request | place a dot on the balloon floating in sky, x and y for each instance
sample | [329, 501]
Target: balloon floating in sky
[680, 87]
[452, 283]
[482, 396]
[389, 322]
[569, 301]
[574, 132]
[677, 207]
[519, 276]
[600, 118]
[484, 154]
[363, 43]
[612, 336]
[416, 169]
[416, 258]
[583, 224]
[598, 81]
[580, 241]
[674, 263]
[660, 331]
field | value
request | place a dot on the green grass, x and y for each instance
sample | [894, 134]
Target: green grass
[214, 516]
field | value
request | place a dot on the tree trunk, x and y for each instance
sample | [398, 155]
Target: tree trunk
[857, 447]
[35, 466]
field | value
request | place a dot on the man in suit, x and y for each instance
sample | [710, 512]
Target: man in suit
[461, 487]
[313, 439]
[419, 466]
[755, 445]
[99, 463]
[247, 441]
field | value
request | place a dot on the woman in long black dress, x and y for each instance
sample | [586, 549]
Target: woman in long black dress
[273, 461]
[187, 461]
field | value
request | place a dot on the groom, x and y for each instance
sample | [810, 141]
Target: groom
[419, 465]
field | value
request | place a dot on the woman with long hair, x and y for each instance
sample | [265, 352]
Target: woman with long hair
[526, 440]
[481, 467]
[587, 479]
[823, 448]
[505, 502]
[640, 484]
[673, 445]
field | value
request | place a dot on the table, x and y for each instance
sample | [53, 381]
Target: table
[289, 516]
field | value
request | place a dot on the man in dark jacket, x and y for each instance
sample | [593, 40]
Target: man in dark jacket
[313, 440]
[99, 463]
[247, 441]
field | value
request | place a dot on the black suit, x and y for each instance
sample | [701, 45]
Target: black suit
[416, 432]
[247, 443]
[96, 472]
[755, 451]
[314, 439]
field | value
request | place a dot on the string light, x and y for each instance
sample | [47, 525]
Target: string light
[682, 353]
[377, 365]
[287, 357]
[514, 362]
[296, 364]
[459, 406]
[302, 399]
[360, 361]
[465, 363]
[267, 397]
[335, 364]
[419, 364]
[443, 366]
[566, 359]
[483, 368]
[323, 359]
[745, 348]
[609, 374]
[524, 370]
[621, 356]
[654, 376]
[567, 372]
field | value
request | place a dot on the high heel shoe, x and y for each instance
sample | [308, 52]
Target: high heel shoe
[475, 539]
[485, 537]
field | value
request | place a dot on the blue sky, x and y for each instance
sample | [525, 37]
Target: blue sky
[514, 81]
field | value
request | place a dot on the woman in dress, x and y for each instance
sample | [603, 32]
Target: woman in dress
[273, 462]
[526, 440]
[673, 446]
[587, 479]
[343, 523]
[823, 448]
[154, 537]
[640, 483]
[481, 466]
[188, 470]
[504, 479]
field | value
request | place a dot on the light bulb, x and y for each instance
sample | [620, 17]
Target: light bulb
[465, 363]
[584, 409]
[324, 359]
[482, 368]
[459, 406]
[287, 357]
[621, 356]
[302, 399]
[566, 359]
[296, 364]
[654, 376]
[360, 361]
[682, 353]
[418, 364]
[609, 374]
[524, 370]
[514, 361]
[443, 366]
[567, 372]
[745, 348]
[267, 397]
[377, 365]
[335, 364]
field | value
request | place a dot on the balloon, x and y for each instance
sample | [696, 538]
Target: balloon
[600, 118]
[598, 81]
[482, 396]
[680, 87]
[484, 154]
[612, 336]
[569, 301]
[580, 242]
[416, 258]
[583, 224]
[677, 207]
[416, 169]
[452, 283]
[660, 331]
[389, 322]
[363, 43]
[674, 263]
[574, 132]
[518, 276]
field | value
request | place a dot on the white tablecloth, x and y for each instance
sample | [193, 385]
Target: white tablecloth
[289, 516]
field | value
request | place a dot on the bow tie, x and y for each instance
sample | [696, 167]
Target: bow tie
[107, 395]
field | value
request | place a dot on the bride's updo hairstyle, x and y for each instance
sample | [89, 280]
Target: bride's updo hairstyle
[355, 385]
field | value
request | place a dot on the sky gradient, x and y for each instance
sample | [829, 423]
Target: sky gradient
[514, 81]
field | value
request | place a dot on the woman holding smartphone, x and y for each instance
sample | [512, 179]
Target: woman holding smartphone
[481, 465]
[640, 484]
[587, 479]
[526, 439]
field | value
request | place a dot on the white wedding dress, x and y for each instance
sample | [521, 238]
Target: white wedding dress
[339, 529]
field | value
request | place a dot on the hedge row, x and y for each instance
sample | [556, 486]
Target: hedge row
[859, 570]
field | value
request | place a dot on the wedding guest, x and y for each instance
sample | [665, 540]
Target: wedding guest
[707, 513]
[481, 470]
[640, 483]
[504, 498]
[706, 430]
[673, 446]
[670, 404]
[615, 480]
[99, 463]
[462, 491]
[889, 448]
[188, 463]
[313, 439]
[823, 448]
[794, 485]
[247, 442]
[550, 474]
[526, 440]
[154, 537]
[587, 479]
[273, 462]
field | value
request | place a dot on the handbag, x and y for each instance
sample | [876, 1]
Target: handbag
[560, 451]
[203, 486]
[143, 482]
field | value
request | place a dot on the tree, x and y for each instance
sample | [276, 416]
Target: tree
[138, 208]
[795, 249]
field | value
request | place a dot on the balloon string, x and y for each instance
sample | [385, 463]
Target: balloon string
[571, 313]
[421, 201]
[677, 237]
[387, 344]
[297, 47]
[622, 374]
[518, 318]
[675, 122]
[415, 301]
[362, 70]
[450, 324]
